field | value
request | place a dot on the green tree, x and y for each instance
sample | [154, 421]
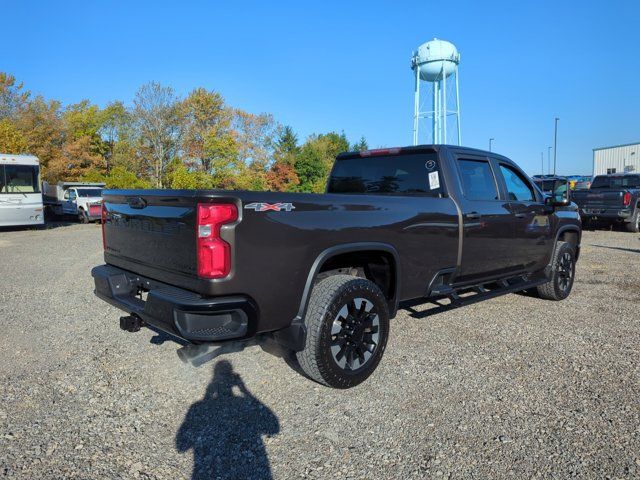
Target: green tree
[205, 117]
[286, 144]
[255, 137]
[12, 140]
[221, 150]
[360, 146]
[116, 131]
[156, 114]
[315, 159]
[180, 177]
[13, 97]
[118, 177]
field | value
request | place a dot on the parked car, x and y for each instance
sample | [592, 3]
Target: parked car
[613, 198]
[81, 200]
[579, 182]
[321, 275]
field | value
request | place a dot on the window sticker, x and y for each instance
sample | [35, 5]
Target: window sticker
[434, 180]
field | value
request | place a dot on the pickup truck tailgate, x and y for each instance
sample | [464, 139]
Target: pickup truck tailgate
[603, 199]
[151, 232]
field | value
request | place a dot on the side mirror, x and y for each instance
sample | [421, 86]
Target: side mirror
[560, 196]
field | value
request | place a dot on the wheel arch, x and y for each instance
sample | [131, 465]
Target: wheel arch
[293, 337]
[571, 234]
[343, 251]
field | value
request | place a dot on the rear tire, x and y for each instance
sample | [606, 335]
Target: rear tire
[634, 224]
[347, 324]
[562, 275]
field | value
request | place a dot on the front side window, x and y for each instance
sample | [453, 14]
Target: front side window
[19, 179]
[477, 180]
[518, 189]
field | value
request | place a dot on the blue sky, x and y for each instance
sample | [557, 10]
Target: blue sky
[345, 65]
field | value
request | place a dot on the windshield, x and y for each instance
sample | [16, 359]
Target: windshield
[19, 179]
[89, 192]
[626, 181]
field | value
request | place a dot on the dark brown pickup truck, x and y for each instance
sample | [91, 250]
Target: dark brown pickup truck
[321, 275]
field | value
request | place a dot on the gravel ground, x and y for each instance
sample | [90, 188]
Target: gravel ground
[509, 388]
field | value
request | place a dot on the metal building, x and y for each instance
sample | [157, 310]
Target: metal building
[616, 159]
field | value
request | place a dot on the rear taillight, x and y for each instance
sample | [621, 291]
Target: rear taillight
[626, 199]
[214, 254]
[103, 218]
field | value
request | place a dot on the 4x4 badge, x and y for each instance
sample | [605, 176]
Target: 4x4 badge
[265, 207]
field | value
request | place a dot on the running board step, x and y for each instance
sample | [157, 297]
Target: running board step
[485, 291]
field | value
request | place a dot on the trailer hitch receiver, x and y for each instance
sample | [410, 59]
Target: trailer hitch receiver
[131, 323]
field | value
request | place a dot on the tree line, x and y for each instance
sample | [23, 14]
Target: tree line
[164, 141]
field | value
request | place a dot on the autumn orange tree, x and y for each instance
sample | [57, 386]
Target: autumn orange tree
[164, 141]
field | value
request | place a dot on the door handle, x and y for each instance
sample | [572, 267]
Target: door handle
[520, 215]
[472, 215]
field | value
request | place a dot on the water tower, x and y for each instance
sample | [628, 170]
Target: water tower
[436, 64]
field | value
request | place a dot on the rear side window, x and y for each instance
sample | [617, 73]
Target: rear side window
[477, 180]
[387, 175]
[600, 182]
[518, 189]
[628, 181]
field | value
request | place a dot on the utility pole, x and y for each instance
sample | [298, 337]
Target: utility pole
[490, 142]
[555, 146]
[549, 160]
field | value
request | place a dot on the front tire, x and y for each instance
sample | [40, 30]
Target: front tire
[562, 275]
[347, 324]
[83, 217]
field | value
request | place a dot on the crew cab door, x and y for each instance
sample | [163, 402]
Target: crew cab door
[530, 219]
[486, 218]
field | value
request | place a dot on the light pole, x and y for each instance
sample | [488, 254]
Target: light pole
[549, 160]
[542, 162]
[490, 142]
[555, 145]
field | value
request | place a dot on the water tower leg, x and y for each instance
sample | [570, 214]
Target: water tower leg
[435, 112]
[444, 106]
[416, 107]
[458, 108]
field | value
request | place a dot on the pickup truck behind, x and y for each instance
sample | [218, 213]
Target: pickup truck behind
[614, 198]
[80, 200]
[321, 275]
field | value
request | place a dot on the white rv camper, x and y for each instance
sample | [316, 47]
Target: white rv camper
[20, 196]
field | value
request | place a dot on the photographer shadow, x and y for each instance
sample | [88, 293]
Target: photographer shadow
[225, 430]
